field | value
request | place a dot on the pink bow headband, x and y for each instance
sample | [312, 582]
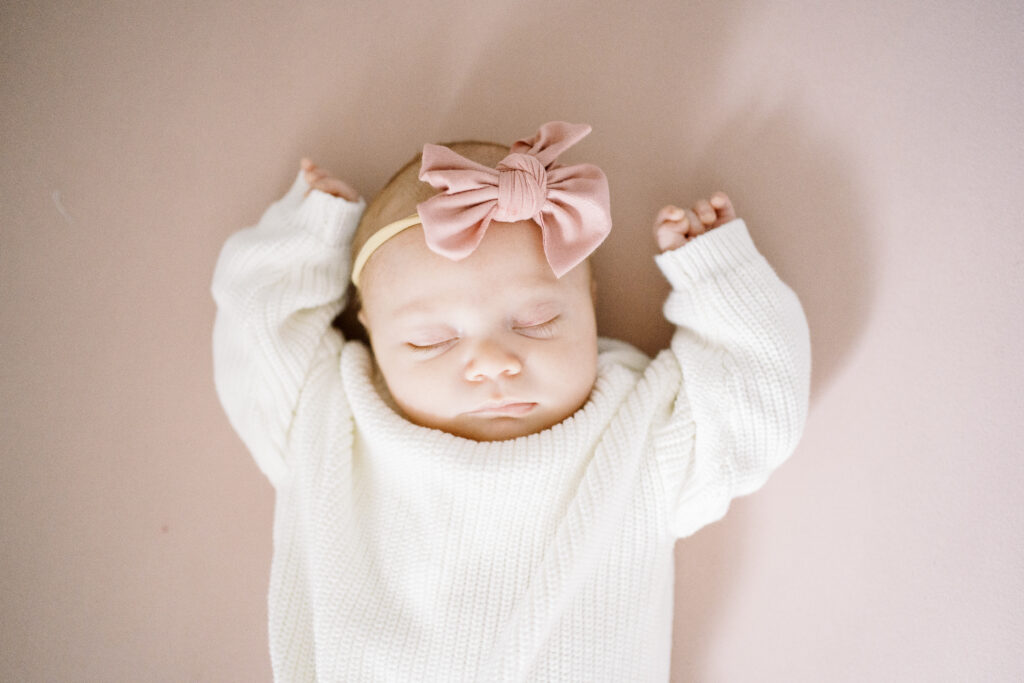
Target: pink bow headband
[569, 203]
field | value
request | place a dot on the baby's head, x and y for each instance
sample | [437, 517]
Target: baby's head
[490, 346]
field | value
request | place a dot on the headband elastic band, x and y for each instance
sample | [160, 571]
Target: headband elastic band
[378, 238]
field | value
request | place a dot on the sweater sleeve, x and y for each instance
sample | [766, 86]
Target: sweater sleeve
[743, 348]
[278, 286]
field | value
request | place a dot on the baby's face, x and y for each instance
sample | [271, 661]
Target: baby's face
[488, 348]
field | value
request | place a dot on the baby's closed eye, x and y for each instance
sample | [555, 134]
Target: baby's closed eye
[432, 339]
[432, 345]
[541, 330]
[427, 344]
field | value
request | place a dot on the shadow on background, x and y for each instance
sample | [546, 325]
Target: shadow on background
[803, 208]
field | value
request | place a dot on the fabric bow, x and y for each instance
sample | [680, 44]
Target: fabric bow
[569, 203]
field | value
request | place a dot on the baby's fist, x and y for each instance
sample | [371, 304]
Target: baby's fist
[675, 227]
[319, 179]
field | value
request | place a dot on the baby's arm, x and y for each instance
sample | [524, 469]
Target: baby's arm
[278, 285]
[743, 347]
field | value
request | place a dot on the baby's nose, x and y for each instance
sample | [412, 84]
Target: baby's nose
[490, 360]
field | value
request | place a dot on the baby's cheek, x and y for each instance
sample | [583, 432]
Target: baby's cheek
[573, 372]
[408, 382]
[434, 386]
[424, 399]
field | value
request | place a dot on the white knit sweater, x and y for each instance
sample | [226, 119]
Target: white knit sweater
[403, 553]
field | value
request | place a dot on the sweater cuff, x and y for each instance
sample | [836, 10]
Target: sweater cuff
[719, 250]
[330, 219]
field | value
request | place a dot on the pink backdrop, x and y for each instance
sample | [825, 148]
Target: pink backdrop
[875, 149]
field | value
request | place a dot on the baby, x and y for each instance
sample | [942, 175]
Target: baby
[493, 492]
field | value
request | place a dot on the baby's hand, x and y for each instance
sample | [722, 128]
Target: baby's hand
[319, 179]
[675, 227]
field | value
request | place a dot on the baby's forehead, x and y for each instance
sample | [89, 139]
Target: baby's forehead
[418, 299]
[524, 298]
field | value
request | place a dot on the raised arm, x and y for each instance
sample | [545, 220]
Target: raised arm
[743, 347]
[278, 285]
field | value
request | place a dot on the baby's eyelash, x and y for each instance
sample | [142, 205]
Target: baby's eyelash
[544, 330]
[430, 347]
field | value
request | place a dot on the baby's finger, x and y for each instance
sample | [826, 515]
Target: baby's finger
[669, 213]
[336, 187]
[310, 171]
[311, 179]
[669, 237]
[704, 212]
[723, 207]
[696, 225]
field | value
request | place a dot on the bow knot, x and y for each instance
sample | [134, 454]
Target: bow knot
[522, 188]
[569, 203]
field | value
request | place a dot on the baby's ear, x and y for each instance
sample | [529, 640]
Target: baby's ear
[361, 315]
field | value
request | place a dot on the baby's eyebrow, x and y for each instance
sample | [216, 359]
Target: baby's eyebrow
[416, 308]
[531, 298]
[541, 309]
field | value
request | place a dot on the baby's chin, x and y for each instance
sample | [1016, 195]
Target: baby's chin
[499, 428]
[496, 428]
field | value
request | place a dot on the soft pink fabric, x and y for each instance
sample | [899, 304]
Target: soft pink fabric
[569, 203]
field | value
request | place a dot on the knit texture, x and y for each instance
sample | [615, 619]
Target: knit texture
[403, 553]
